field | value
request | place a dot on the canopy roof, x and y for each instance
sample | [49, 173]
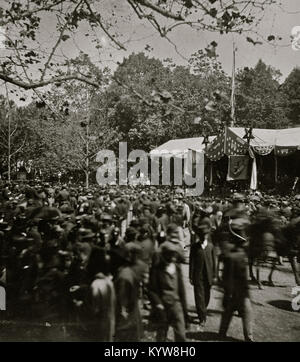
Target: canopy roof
[289, 137]
[232, 142]
[181, 146]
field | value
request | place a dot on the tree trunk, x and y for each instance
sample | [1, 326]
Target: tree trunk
[87, 157]
[86, 179]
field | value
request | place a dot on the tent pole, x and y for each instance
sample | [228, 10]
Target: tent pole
[276, 167]
[210, 173]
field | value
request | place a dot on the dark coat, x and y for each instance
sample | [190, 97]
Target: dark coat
[127, 286]
[161, 289]
[202, 263]
[235, 278]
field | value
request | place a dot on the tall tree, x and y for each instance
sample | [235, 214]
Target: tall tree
[13, 134]
[259, 100]
[174, 97]
[291, 88]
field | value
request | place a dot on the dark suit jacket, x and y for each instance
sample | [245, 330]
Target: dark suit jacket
[202, 263]
[235, 277]
[127, 282]
[161, 289]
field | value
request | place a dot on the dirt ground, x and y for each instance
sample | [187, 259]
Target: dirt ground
[274, 318]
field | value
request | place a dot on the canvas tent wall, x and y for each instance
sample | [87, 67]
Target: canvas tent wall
[187, 151]
[180, 147]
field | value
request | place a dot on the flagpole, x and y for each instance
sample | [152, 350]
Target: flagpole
[232, 101]
[275, 164]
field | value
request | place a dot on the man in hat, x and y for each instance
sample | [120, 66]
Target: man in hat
[167, 293]
[202, 270]
[151, 219]
[101, 300]
[127, 279]
[121, 213]
[106, 230]
[174, 236]
[235, 280]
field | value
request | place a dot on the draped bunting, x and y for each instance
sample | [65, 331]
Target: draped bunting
[284, 151]
[227, 143]
[263, 150]
[283, 142]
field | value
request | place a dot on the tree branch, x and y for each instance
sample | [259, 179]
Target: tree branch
[14, 131]
[29, 13]
[98, 20]
[53, 51]
[58, 41]
[159, 10]
[133, 91]
[19, 149]
[39, 84]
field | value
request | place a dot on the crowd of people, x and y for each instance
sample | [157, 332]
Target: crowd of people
[91, 261]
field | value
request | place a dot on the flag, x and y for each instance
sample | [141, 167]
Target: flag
[253, 183]
[215, 151]
[234, 145]
[237, 168]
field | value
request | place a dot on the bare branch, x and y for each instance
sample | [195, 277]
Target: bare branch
[39, 84]
[29, 13]
[58, 42]
[19, 149]
[14, 131]
[53, 51]
[159, 10]
[133, 91]
[97, 18]
[82, 138]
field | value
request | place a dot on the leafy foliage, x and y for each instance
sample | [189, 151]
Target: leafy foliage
[291, 88]
[155, 101]
[259, 98]
[33, 58]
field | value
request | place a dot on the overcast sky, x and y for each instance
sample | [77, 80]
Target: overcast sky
[277, 21]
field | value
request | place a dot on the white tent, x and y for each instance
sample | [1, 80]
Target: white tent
[289, 137]
[180, 147]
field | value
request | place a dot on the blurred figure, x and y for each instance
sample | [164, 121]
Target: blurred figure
[235, 282]
[167, 293]
[101, 299]
[202, 269]
[127, 280]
